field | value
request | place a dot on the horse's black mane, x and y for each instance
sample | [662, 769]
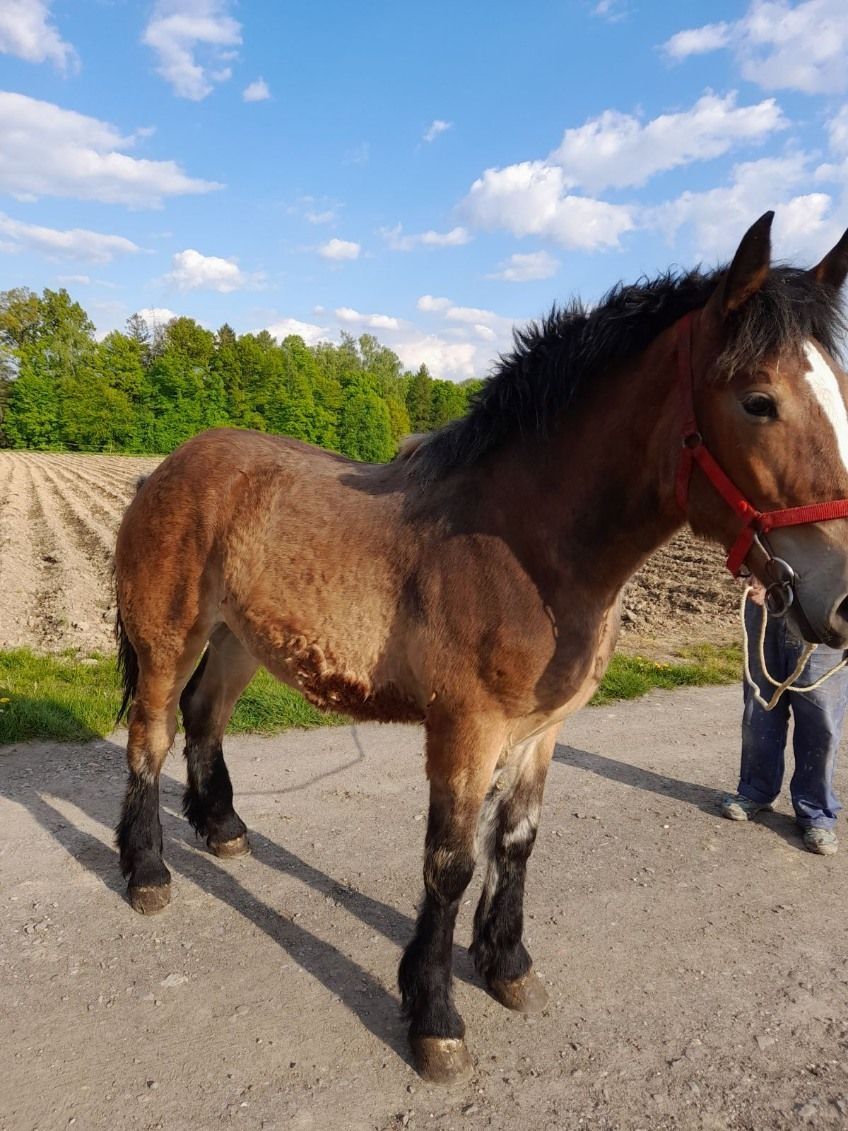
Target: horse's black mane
[555, 360]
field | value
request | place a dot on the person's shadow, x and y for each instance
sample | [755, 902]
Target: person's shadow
[703, 797]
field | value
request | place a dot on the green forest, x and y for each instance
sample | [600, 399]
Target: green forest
[147, 389]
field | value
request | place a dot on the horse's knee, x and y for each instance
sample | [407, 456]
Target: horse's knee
[447, 872]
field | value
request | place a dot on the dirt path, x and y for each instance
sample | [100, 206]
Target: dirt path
[698, 969]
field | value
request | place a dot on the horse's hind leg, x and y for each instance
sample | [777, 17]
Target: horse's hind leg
[508, 834]
[461, 757]
[206, 705]
[152, 726]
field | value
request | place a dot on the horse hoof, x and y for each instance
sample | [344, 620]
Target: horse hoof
[238, 846]
[442, 1060]
[150, 900]
[525, 994]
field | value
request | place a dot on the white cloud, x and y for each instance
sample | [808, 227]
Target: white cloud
[320, 210]
[462, 345]
[74, 280]
[397, 241]
[432, 303]
[698, 41]
[73, 243]
[435, 128]
[538, 198]
[257, 91]
[192, 271]
[718, 216]
[339, 249]
[837, 129]
[49, 151]
[617, 149]
[525, 267]
[26, 31]
[485, 324]
[156, 316]
[779, 45]
[532, 199]
[373, 321]
[194, 41]
[613, 11]
[442, 357]
[284, 327]
[452, 349]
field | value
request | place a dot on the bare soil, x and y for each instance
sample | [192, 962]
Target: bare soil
[59, 514]
[698, 968]
[58, 519]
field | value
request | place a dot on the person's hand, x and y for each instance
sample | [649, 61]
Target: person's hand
[758, 592]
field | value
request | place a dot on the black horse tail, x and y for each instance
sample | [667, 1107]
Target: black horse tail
[127, 666]
[127, 655]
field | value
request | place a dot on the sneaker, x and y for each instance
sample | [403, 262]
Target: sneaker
[738, 808]
[821, 841]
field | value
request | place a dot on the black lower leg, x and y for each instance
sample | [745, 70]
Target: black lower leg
[498, 951]
[424, 976]
[139, 834]
[208, 799]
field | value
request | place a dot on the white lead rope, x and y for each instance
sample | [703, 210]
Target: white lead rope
[787, 684]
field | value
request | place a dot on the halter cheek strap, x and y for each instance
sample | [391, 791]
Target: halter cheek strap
[693, 451]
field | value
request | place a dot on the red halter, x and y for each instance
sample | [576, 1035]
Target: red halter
[693, 450]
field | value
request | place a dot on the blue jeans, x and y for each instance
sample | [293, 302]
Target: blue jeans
[818, 720]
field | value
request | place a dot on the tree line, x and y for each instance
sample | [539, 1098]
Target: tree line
[149, 388]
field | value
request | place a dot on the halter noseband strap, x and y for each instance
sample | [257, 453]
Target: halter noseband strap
[693, 450]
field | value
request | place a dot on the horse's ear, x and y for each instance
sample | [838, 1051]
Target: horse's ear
[833, 269]
[748, 271]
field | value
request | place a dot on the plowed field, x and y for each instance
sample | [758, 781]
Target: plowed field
[59, 514]
[58, 517]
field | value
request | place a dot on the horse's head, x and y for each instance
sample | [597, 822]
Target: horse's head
[770, 403]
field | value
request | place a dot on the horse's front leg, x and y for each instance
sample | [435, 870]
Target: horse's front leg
[461, 757]
[508, 833]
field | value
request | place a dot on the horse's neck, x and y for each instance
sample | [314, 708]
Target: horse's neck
[600, 488]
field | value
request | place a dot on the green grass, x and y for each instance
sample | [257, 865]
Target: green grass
[69, 697]
[629, 677]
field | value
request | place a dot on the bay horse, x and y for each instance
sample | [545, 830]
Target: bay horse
[472, 584]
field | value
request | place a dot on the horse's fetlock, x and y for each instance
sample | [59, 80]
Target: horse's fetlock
[436, 1016]
[149, 871]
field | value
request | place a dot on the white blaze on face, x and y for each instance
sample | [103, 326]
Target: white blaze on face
[822, 380]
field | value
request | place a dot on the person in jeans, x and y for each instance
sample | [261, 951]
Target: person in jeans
[818, 718]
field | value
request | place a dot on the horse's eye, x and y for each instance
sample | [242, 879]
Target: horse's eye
[758, 404]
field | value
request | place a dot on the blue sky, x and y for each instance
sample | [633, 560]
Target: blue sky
[427, 173]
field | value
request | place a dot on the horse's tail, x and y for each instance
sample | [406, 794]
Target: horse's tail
[127, 655]
[127, 666]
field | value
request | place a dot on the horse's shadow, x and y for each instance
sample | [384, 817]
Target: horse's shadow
[44, 773]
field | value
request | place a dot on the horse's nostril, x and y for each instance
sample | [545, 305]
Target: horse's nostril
[842, 610]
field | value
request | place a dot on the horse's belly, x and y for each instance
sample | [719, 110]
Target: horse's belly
[357, 685]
